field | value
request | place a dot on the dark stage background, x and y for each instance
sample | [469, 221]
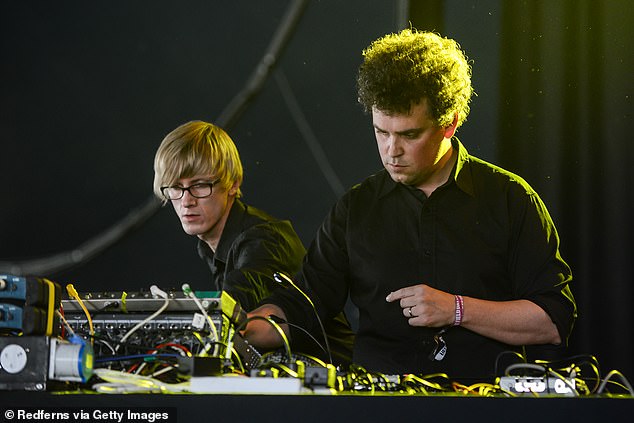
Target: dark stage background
[89, 89]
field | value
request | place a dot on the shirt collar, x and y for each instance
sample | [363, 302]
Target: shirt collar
[461, 173]
[462, 169]
[231, 230]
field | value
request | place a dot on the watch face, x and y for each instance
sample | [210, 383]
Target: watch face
[13, 358]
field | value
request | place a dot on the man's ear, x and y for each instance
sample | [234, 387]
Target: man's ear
[451, 129]
[233, 190]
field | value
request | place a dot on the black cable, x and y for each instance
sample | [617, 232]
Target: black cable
[276, 326]
[232, 113]
[86, 251]
[283, 279]
[301, 329]
[308, 134]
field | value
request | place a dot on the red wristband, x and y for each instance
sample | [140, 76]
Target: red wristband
[459, 310]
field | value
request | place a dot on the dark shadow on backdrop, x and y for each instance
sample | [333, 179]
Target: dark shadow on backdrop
[228, 118]
[565, 119]
[565, 126]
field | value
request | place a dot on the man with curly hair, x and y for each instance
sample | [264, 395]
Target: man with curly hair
[451, 261]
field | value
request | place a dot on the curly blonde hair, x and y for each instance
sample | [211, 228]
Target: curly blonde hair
[400, 70]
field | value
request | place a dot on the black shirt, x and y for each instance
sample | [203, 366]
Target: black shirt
[484, 234]
[252, 247]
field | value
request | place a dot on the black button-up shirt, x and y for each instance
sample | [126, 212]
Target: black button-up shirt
[252, 247]
[484, 234]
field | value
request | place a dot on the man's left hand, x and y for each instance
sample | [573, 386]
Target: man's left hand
[425, 306]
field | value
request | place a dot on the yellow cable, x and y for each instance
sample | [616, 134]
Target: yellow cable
[124, 304]
[50, 315]
[73, 293]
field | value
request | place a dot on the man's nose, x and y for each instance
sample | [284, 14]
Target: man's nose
[394, 148]
[188, 200]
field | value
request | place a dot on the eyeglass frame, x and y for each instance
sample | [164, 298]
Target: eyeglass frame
[183, 189]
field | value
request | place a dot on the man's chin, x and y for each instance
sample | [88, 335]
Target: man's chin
[399, 178]
[189, 230]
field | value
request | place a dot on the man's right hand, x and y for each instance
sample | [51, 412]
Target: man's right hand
[261, 333]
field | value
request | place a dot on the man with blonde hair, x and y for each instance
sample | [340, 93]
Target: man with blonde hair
[198, 169]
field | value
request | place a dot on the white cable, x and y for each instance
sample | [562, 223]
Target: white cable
[65, 322]
[190, 293]
[525, 366]
[107, 344]
[122, 382]
[609, 376]
[157, 293]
